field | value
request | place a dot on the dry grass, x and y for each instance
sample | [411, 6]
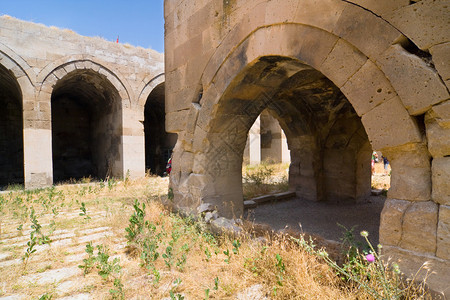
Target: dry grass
[223, 266]
[264, 179]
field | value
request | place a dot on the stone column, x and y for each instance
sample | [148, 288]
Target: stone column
[285, 152]
[37, 140]
[254, 138]
[133, 143]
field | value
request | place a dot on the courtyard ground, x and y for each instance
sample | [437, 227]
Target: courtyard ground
[68, 220]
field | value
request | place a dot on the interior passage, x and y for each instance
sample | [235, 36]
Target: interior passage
[86, 127]
[11, 128]
[158, 143]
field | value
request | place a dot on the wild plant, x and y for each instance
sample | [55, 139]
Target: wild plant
[236, 245]
[367, 270]
[228, 254]
[105, 267]
[88, 263]
[83, 212]
[281, 268]
[37, 237]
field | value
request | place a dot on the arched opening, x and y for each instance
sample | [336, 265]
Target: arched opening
[158, 143]
[86, 127]
[266, 158]
[329, 148]
[381, 172]
[11, 130]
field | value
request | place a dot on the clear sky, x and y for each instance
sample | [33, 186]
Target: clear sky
[137, 22]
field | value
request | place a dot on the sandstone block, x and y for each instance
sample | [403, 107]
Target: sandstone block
[176, 121]
[438, 137]
[280, 11]
[381, 7]
[441, 59]
[424, 22]
[338, 67]
[441, 112]
[420, 227]
[323, 14]
[367, 32]
[441, 180]
[411, 172]
[367, 88]
[205, 207]
[436, 271]
[380, 122]
[418, 85]
[225, 226]
[391, 221]
[443, 233]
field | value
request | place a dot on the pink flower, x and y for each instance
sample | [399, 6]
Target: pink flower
[370, 258]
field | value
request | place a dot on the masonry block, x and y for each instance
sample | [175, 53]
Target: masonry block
[418, 85]
[441, 180]
[380, 121]
[391, 221]
[368, 88]
[420, 227]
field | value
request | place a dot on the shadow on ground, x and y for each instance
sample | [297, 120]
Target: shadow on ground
[322, 218]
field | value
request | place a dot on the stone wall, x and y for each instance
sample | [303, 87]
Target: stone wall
[90, 91]
[382, 67]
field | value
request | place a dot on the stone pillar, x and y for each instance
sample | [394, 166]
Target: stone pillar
[254, 138]
[285, 152]
[37, 139]
[133, 144]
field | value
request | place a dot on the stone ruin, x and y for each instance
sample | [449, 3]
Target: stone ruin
[343, 78]
[74, 107]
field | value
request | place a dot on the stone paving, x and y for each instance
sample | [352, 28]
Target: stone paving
[53, 269]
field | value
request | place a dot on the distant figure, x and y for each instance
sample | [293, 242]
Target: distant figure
[168, 167]
[386, 165]
[372, 162]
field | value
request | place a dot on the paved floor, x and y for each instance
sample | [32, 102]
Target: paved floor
[322, 218]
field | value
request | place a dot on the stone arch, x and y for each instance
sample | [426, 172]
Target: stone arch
[317, 48]
[54, 71]
[22, 71]
[158, 143]
[147, 85]
[87, 121]
[15, 85]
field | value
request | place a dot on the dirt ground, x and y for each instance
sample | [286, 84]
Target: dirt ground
[322, 218]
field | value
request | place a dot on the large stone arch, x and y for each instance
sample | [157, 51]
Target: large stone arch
[158, 143]
[54, 71]
[395, 89]
[365, 86]
[95, 100]
[16, 88]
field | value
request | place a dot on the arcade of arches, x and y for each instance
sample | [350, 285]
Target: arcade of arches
[342, 78]
[74, 107]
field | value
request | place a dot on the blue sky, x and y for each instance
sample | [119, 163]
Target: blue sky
[137, 22]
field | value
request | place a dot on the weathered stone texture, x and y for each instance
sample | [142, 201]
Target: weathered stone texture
[441, 180]
[441, 59]
[443, 233]
[411, 174]
[380, 122]
[392, 221]
[417, 84]
[419, 227]
[436, 271]
[438, 134]
[424, 22]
